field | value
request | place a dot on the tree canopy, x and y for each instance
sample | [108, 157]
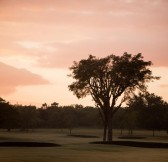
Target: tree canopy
[110, 81]
[151, 109]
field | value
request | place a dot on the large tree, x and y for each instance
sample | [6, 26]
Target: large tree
[110, 80]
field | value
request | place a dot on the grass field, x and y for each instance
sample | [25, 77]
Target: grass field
[76, 149]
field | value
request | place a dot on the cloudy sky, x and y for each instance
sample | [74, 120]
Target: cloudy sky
[40, 39]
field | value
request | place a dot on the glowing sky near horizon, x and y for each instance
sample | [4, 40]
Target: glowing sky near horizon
[40, 39]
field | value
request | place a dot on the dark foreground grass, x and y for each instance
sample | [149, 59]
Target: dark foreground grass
[82, 153]
[131, 137]
[135, 144]
[83, 136]
[28, 144]
[74, 149]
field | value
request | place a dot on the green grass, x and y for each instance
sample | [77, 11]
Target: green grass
[76, 149]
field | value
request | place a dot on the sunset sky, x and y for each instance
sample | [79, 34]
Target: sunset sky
[40, 39]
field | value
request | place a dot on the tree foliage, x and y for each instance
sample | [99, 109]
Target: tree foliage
[152, 111]
[110, 80]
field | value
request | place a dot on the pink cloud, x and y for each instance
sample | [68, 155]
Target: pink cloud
[67, 53]
[85, 13]
[12, 77]
[80, 28]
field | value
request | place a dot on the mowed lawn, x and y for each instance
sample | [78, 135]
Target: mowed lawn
[76, 149]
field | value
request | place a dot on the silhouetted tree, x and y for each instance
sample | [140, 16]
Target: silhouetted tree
[119, 120]
[166, 118]
[28, 116]
[130, 120]
[56, 117]
[2, 100]
[109, 81]
[151, 110]
[44, 106]
[70, 117]
[155, 106]
[8, 115]
[43, 117]
[54, 104]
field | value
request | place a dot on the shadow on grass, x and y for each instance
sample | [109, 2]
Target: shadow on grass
[131, 137]
[27, 144]
[82, 136]
[135, 144]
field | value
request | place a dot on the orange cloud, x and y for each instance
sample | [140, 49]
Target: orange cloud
[12, 77]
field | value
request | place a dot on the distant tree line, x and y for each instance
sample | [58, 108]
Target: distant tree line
[143, 111]
[47, 116]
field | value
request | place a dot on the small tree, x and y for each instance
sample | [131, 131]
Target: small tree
[28, 116]
[8, 115]
[109, 81]
[151, 110]
[130, 120]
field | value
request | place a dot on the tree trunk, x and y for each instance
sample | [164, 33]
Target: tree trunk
[110, 134]
[9, 129]
[153, 132]
[131, 131]
[110, 129]
[70, 130]
[105, 123]
[105, 132]
[121, 131]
